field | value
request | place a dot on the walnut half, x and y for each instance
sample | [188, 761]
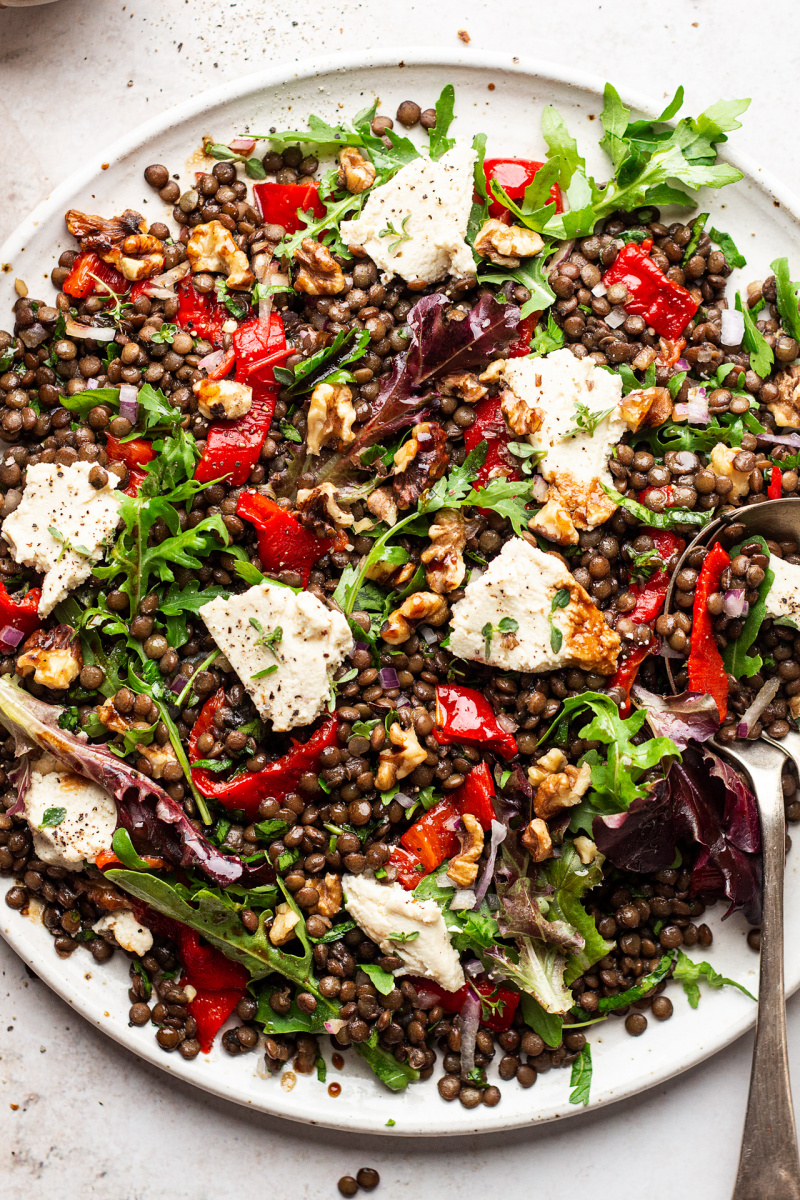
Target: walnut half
[536, 840]
[463, 869]
[330, 417]
[355, 172]
[211, 248]
[317, 273]
[563, 789]
[52, 656]
[396, 764]
[444, 566]
[505, 245]
[320, 503]
[421, 606]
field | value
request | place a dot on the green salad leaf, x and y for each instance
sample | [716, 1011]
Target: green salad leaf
[691, 974]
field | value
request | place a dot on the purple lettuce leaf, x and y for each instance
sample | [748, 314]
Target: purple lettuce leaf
[521, 915]
[143, 808]
[702, 803]
[690, 715]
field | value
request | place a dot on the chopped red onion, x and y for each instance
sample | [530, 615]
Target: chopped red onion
[92, 383]
[169, 278]
[784, 439]
[10, 636]
[78, 330]
[388, 678]
[361, 646]
[427, 634]
[499, 832]
[129, 402]
[178, 684]
[615, 318]
[540, 488]
[473, 969]
[444, 880]
[751, 717]
[732, 327]
[697, 407]
[210, 361]
[666, 650]
[507, 723]
[563, 252]
[680, 411]
[682, 364]
[464, 898]
[334, 1026]
[403, 800]
[403, 701]
[470, 1020]
[734, 603]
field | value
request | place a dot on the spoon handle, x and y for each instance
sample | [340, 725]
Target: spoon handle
[768, 1167]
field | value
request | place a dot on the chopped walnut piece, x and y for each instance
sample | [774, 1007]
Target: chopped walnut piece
[96, 232]
[650, 407]
[137, 257]
[464, 385]
[355, 172]
[463, 869]
[505, 245]
[282, 928]
[554, 522]
[330, 417]
[786, 409]
[211, 248]
[536, 840]
[419, 463]
[585, 849]
[52, 656]
[320, 502]
[494, 371]
[422, 606]
[330, 895]
[445, 567]
[554, 760]
[396, 764]
[561, 790]
[115, 721]
[721, 462]
[389, 576]
[522, 418]
[223, 399]
[153, 759]
[317, 274]
[382, 504]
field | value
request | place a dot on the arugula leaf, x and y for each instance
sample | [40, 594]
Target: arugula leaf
[326, 364]
[728, 248]
[560, 600]
[293, 1021]
[690, 974]
[786, 297]
[508, 497]
[735, 656]
[639, 990]
[580, 1079]
[384, 981]
[253, 167]
[123, 847]
[319, 133]
[761, 356]
[83, 402]
[531, 275]
[669, 519]
[698, 225]
[547, 339]
[439, 142]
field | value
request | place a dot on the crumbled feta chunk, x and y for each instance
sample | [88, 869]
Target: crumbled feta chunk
[62, 498]
[312, 643]
[127, 931]
[383, 910]
[576, 465]
[414, 225]
[521, 583]
[783, 598]
[86, 827]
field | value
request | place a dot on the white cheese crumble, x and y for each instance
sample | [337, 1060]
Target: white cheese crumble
[88, 822]
[84, 517]
[521, 583]
[312, 643]
[383, 910]
[414, 225]
[576, 465]
[782, 601]
[128, 933]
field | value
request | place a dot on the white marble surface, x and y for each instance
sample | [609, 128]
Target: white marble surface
[79, 1115]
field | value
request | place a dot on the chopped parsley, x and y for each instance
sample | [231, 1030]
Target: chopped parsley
[560, 600]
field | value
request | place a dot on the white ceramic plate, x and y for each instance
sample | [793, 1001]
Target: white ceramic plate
[503, 97]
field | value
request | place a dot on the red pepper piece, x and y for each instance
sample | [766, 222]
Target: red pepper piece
[706, 668]
[651, 594]
[625, 675]
[200, 314]
[464, 715]
[224, 366]
[489, 426]
[514, 175]
[666, 305]
[283, 543]
[409, 867]
[434, 837]
[525, 328]
[211, 1010]
[208, 967]
[233, 447]
[20, 614]
[774, 489]
[278, 203]
[135, 455]
[278, 778]
[81, 283]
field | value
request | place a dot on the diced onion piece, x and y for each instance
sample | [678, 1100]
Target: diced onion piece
[599, 289]
[178, 684]
[499, 832]
[753, 714]
[615, 318]
[129, 402]
[78, 330]
[334, 1026]
[210, 361]
[682, 364]
[470, 1020]
[388, 678]
[697, 407]
[10, 636]
[734, 603]
[732, 327]
[169, 278]
[403, 800]
[463, 898]
[427, 634]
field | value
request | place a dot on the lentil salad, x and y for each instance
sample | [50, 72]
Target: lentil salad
[444, 480]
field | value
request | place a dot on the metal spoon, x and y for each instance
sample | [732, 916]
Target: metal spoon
[769, 1168]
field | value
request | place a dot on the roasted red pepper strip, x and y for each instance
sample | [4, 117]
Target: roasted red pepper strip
[522, 345]
[246, 791]
[625, 675]
[665, 305]
[81, 283]
[489, 426]
[408, 865]
[434, 837]
[651, 594]
[278, 203]
[20, 614]
[706, 669]
[514, 175]
[135, 455]
[233, 447]
[208, 967]
[774, 489]
[224, 366]
[464, 715]
[497, 1011]
[283, 543]
[210, 1011]
[200, 314]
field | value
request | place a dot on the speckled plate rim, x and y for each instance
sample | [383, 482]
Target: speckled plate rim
[623, 1066]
